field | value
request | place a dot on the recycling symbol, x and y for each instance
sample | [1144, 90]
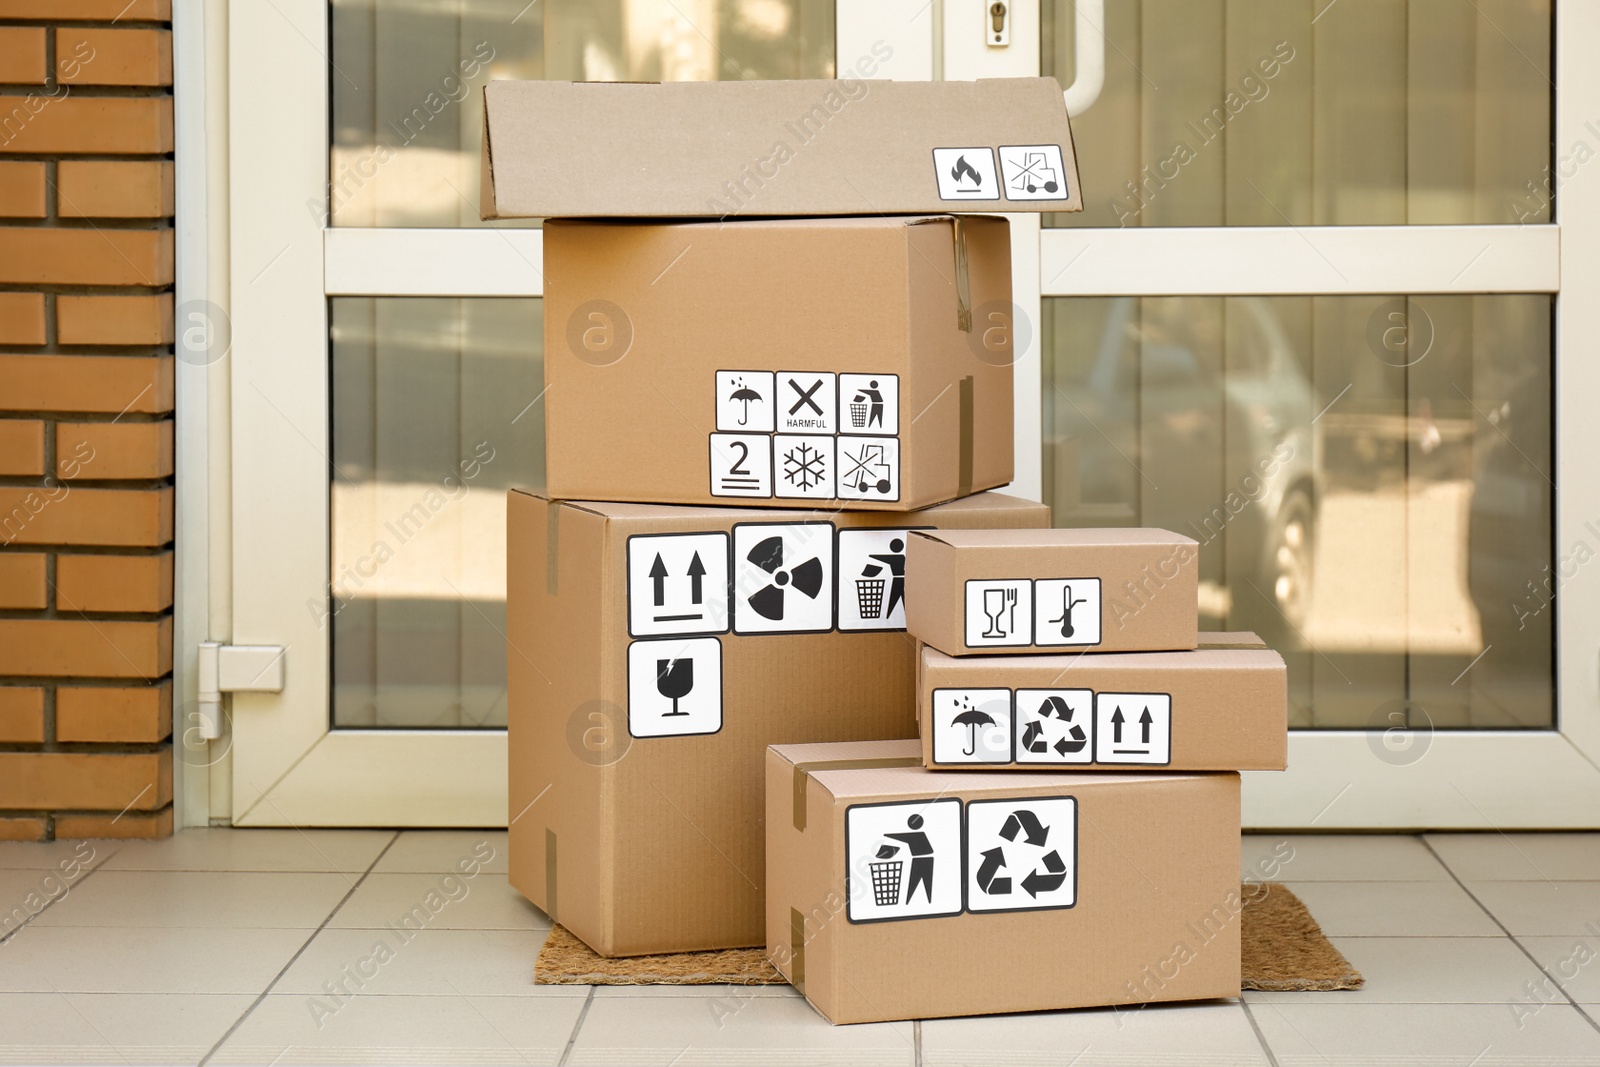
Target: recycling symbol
[1034, 740]
[1045, 876]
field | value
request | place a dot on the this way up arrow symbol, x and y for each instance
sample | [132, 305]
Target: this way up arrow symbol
[1116, 723]
[697, 571]
[658, 575]
[1144, 727]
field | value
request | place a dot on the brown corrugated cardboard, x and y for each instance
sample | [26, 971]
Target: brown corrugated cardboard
[1221, 708]
[640, 830]
[1000, 592]
[779, 362]
[894, 892]
[753, 148]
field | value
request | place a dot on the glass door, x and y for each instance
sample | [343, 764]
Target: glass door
[1313, 316]
[387, 372]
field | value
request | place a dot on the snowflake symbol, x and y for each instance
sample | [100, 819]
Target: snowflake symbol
[804, 466]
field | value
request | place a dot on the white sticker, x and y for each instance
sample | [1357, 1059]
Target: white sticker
[783, 577]
[972, 726]
[869, 403]
[872, 579]
[675, 687]
[741, 464]
[1066, 611]
[1055, 726]
[869, 468]
[1133, 728]
[1022, 854]
[744, 400]
[677, 584]
[966, 174]
[807, 402]
[1034, 172]
[904, 859]
[803, 466]
[999, 612]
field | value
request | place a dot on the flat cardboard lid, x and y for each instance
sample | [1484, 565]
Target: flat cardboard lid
[754, 148]
[989, 501]
[1057, 538]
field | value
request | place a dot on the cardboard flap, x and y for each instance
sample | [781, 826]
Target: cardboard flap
[751, 148]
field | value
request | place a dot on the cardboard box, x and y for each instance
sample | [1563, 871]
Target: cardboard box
[1219, 708]
[639, 830]
[1004, 592]
[762, 148]
[895, 892]
[793, 361]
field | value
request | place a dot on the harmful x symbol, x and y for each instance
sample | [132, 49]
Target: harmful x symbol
[805, 396]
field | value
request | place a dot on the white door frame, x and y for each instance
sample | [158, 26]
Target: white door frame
[289, 768]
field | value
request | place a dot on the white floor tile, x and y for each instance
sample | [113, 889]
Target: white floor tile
[1425, 970]
[444, 851]
[1337, 858]
[150, 959]
[26, 893]
[220, 849]
[1520, 857]
[734, 1029]
[428, 963]
[57, 855]
[296, 1029]
[1537, 908]
[1571, 960]
[1394, 909]
[1330, 1035]
[118, 1028]
[439, 902]
[1177, 1034]
[214, 899]
[734, 992]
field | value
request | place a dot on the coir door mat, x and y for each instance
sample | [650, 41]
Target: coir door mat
[1283, 949]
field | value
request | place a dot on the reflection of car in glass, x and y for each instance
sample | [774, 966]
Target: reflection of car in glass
[1200, 419]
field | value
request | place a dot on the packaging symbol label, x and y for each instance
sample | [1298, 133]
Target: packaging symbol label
[675, 687]
[782, 577]
[1133, 728]
[905, 860]
[1022, 854]
[972, 725]
[677, 584]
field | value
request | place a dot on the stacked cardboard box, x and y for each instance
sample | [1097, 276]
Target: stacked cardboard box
[1061, 654]
[772, 351]
[779, 386]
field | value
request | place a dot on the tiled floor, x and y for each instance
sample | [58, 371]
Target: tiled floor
[283, 947]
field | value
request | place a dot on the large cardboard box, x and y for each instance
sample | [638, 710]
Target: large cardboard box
[863, 361]
[895, 892]
[1004, 592]
[849, 146]
[1223, 707]
[653, 653]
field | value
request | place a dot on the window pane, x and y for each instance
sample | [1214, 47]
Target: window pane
[1313, 112]
[1369, 478]
[433, 419]
[408, 79]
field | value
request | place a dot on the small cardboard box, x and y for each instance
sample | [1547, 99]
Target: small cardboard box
[895, 892]
[761, 148]
[798, 362]
[1004, 592]
[1223, 707]
[647, 675]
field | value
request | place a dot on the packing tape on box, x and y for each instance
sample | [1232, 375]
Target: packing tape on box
[801, 770]
[552, 546]
[550, 874]
[797, 951]
[963, 285]
[964, 480]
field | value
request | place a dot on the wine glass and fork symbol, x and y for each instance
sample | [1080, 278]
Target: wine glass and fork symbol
[998, 604]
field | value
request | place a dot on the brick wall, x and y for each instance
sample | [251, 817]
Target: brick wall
[86, 399]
